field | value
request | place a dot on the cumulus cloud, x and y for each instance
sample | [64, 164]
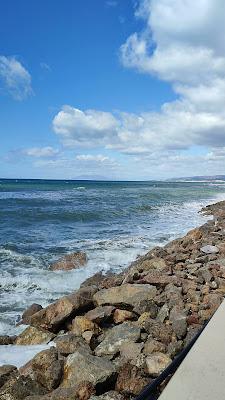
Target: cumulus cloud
[181, 43]
[91, 157]
[39, 152]
[15, 78]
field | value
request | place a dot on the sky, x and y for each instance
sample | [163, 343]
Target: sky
[112, 89]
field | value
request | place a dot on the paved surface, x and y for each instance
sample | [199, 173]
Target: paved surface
[201, 376]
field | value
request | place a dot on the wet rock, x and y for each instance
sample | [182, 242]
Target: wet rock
[179, 324]
[156, 363]
[100, 314]
[5, 372]
[127, 294]
[208, 249]
[116, 336]
[45, 368]
[154, 346]
[70, 343]
[5, 339]
[70, 261]
[53, 316]
[131, 380]
[82, 366]
[29, 312]
[19, 388]
[32, 335]
[81, 324]
[122, 315]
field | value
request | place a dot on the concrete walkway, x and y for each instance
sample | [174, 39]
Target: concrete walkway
[201, 376]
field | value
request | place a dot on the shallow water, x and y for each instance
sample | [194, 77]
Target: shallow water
[112, 222]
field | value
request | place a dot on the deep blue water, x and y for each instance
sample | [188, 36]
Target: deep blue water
[112, 221]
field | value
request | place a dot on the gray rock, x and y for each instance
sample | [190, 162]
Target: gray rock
[115, 337]
[82, 366]
[208, 249]
[100, 314]
[69, 343]
[156, 363]
[20, 387]
[178, 318]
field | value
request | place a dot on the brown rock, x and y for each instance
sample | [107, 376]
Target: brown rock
[70, 261]
[158, 278]
[100, 314]
[19, 388]
[154, 346]
[131, 350]
[30, 311]
[69, 343]
[178, 318]
[94, 280]
[156, 363]
[83, 391]
[111, 395]
[53, 316]
[122, 315]
[143, 306]
[131, 380]
[5, 339]
[81, 324]
[45, 368]
[158, 330]
[32, 335]
[5, 372]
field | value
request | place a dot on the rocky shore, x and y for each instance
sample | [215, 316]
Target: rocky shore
[117, 333]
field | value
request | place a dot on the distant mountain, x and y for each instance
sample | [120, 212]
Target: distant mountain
[204, 178]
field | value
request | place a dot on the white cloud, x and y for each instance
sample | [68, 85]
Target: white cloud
[90, 157]
[16, 79]
[39, 152]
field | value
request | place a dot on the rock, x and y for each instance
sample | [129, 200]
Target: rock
[82, 366]
[69, 343]
[5, 372]
[116, 336]
[19, 388]
[70, 261]
[5, 339]
[89, 337]
[146, 306]
[131, 350]
[100, 314]
[154, 346]
[81, 324]
[130, 380]
[163, 313]
[127, 294]
[158, 278]
[45, 368]
[32, 335]
[150, 264]
[111, 395]
[174, 348]
[208, 249]
[122, 315]
[179, 324]
[158, 330]
[94, 280]
[30, 311]
[53, 316]
[156, 363]
[83, 391]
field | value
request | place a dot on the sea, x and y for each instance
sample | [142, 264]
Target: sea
[113, 222]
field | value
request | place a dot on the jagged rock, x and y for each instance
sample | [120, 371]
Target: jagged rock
[100, 314]
[81, 324]
[158, 330]
[122, 315]
[111, 395]
[114, 338]
[5, 339]
[5, 372]
[29, 312]
[55, 314]
[154, 346]
[88, 337]
[158, 278]
[163, 313]
[208, 249]
[69, 343]
[19, 388]
[174, 348]
[126, 294]
[94, 280]
[70, 261]
[131, 380]
[83, 391]
[146, 306]
[45, 368]
[131, 350]
[156, 363]
[33, 335]
[82, 366]
[152, 263]
[179, 324]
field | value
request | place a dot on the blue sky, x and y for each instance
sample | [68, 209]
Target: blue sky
[109, 88]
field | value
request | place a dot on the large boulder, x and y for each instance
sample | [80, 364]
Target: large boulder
[5, 339]
[29, 312]
[53, 316]
[70, 261]
[19, 388]
[116, 336]
[81, 324]
[69, 343]
[100, 314]
[127, 294]
[45, 368]
[82, 366]
[33, 335]
[5, 372]
[83, 391]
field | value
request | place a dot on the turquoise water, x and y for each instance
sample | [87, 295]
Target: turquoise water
[112, 222]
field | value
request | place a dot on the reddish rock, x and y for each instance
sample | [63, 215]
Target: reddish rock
[131, 380]
[122, 315]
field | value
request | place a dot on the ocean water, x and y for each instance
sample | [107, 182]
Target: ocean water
[113, 222]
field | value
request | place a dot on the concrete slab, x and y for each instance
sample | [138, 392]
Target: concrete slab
[201, 376]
